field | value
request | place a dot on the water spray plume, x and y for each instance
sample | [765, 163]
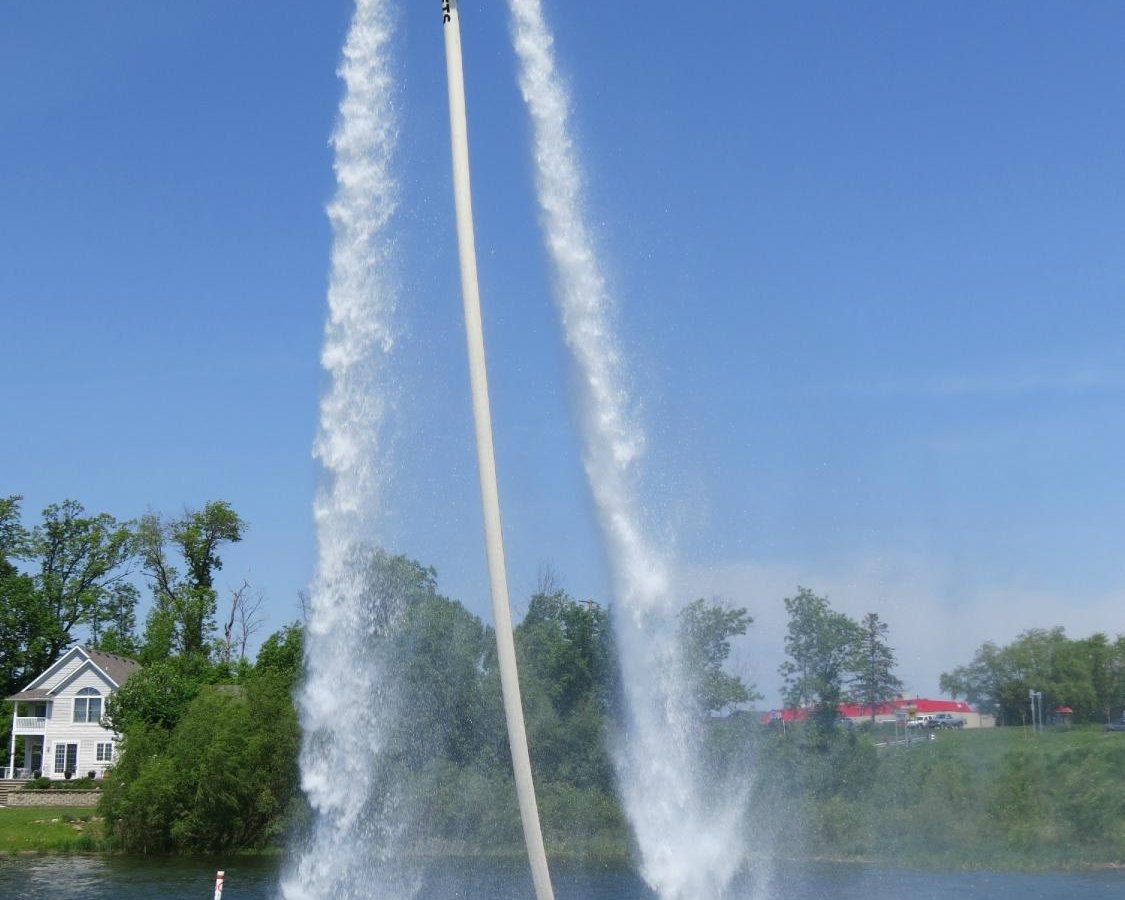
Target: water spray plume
[351, 850]
[690, 835]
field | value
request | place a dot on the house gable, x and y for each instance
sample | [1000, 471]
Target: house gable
[58, 670]
[85, 675]
[114, 670]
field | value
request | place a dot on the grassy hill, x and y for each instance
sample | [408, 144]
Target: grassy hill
[991, 798]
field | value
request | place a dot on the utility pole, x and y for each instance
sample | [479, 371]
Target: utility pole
[1035, 699]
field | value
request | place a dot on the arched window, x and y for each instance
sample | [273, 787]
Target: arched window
[88, 706]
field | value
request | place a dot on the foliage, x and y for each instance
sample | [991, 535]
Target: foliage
[282, 653]
[219, 779]
[1087, 675]
[566, 657]
[76, 579]
[442, 657]
[183, 614]
[821, 645]
[874, 681]
[980, 798]
[705, 632]
[43, 783]
[157, 696]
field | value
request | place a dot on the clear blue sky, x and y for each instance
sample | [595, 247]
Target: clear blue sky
[869, 258]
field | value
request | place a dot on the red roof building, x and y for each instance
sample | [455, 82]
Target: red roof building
[921, 705]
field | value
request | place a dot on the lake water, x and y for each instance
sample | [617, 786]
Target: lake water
[101, 878]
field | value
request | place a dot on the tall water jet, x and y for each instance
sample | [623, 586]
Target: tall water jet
[345, 701]
[691, 836]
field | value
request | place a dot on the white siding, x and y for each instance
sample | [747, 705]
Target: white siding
[61, 729]
[76, 662]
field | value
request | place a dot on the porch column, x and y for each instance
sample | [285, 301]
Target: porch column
[12, 755]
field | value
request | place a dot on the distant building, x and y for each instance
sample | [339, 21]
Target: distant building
[59, 716]
[889, 712]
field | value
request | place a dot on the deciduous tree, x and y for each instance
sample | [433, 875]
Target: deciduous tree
[705, 632]
[183, 614]
[821, 646]
[73, 584]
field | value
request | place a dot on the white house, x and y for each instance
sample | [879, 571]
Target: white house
[59, 716]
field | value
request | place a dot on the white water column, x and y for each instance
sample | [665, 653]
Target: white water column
[486, 460]
[347, 700]
[690, 831]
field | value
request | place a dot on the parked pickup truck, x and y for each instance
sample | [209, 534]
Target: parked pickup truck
[945, 720]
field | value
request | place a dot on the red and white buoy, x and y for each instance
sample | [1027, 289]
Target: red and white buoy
[219, 876]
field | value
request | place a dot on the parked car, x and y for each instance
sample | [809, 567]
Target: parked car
[945, 720]
[1119, 725]
[922, 721]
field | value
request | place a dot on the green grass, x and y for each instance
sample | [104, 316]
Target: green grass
[49, 830]
[995, 798]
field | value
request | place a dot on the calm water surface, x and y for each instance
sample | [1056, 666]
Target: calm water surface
[94, 878]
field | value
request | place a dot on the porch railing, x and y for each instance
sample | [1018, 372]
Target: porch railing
[30, 723]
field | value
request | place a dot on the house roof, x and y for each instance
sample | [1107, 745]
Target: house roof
[116, 668]
[856, 711]
[31, 695]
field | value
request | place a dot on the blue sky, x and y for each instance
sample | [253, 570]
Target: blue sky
[868, 258]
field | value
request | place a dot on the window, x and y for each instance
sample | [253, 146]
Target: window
[88, 706]
[66, 758]
[104, 752]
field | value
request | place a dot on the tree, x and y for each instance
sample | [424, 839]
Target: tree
[569, 647]
[874, 681]
[441, 655]
[567, 677]
[821, 645]
[219, 779]
[156, 696]
[980, 682]
[1082, 674]
[83, 567]
[18, 610]
[243, 622]
[184, 605]
[282, 655]
[1107, 673]
[705, 632]
[78, 565]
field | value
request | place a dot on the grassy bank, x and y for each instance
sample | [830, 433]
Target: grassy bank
[995, 798]
[981, 799]
[49, 830]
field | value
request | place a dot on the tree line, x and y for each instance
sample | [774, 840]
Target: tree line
[74, 575]
[210, 739]
[1085, 675]
[834, 659]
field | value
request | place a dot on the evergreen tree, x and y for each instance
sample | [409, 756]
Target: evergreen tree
[874, 681]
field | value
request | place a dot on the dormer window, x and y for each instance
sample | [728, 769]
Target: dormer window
[88, 706]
